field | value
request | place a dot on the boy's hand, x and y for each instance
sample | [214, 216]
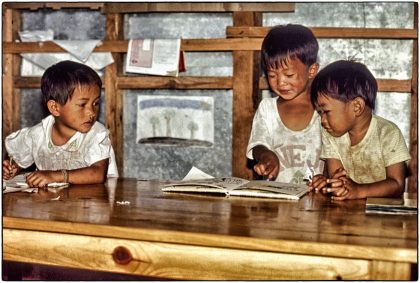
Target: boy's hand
[9, 169]
[318, 182]
[341, 187]
[40, 179]
[268, 165]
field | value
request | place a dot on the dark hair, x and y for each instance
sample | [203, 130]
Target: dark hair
[59, 80]
[345, 80]
[289, 41]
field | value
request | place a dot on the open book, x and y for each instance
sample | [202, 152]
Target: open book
[232, 186]
[405, 205]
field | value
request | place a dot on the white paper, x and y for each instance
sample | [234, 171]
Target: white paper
[196, 174]
[35, 64]
[81, 49]
[17, 184]
[153, 56]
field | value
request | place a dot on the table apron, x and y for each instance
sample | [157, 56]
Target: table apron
[180, 261]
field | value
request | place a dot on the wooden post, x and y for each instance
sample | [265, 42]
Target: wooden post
[245, 94]
[113, 96]
[11, 68]
[413, 164]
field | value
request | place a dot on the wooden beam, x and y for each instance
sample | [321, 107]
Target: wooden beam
[52, 5]
[362, 33]
[121, 46]
[384, 85]
[151, 82]
[245, 95]
[413, 147]
[207, 7]
[146, 82]
[113, 101]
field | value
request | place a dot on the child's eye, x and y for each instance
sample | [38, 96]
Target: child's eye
[81, 105]
[289, 75]
[96, 103]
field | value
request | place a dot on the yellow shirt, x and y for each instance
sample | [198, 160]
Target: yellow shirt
[366, 162]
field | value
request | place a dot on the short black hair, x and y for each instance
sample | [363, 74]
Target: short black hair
[288, 41]
[345, 80]
[59, 80]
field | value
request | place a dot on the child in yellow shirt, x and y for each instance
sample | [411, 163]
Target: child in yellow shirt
[365, 154]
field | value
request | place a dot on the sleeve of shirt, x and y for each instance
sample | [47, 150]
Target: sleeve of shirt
[394, 147]
[260, 132]
[328, 147]
[19, 146]
[100, 148]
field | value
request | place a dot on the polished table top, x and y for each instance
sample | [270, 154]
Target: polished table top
[131, 209]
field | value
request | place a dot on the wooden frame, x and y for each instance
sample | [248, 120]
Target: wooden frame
[243, 39]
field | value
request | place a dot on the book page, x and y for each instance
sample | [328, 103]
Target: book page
[270, 189]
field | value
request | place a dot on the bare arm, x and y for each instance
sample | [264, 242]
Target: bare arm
[392, 186]
[94, 174]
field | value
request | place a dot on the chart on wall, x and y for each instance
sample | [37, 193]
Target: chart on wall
[180, 120]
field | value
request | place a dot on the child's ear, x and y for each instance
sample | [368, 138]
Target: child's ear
[53, 107]
[313, 70]
[359, 105]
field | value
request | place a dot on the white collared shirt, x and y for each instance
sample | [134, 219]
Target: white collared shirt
[34, 144]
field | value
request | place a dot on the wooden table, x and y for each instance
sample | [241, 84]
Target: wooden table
[129, 226]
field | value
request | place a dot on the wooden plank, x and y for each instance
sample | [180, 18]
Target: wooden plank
[114, 31]
[150, 82]
[164, 260]
[211, 44]
[7, 80]
[332, 249]
[413, 163]
[327, 32]
[196, 7]
[245, 90]
[384, 85]
[52, 5]
[147, 82]
[387, 270]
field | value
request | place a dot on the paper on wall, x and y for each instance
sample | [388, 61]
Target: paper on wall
[153, 56]
[34, 64]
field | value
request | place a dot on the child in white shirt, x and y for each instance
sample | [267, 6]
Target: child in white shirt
[285, 140]
[69, 145]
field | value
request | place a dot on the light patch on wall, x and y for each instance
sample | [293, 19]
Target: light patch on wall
[181, 120]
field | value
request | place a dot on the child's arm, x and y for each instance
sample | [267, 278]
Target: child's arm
[392, 186]
[10, 169]
[94, 174]
[267, 162]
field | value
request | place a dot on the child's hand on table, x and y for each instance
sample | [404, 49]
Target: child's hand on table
[340, 186]
[10, 169]
[268, 165]
[40, 179]
[318, 182]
